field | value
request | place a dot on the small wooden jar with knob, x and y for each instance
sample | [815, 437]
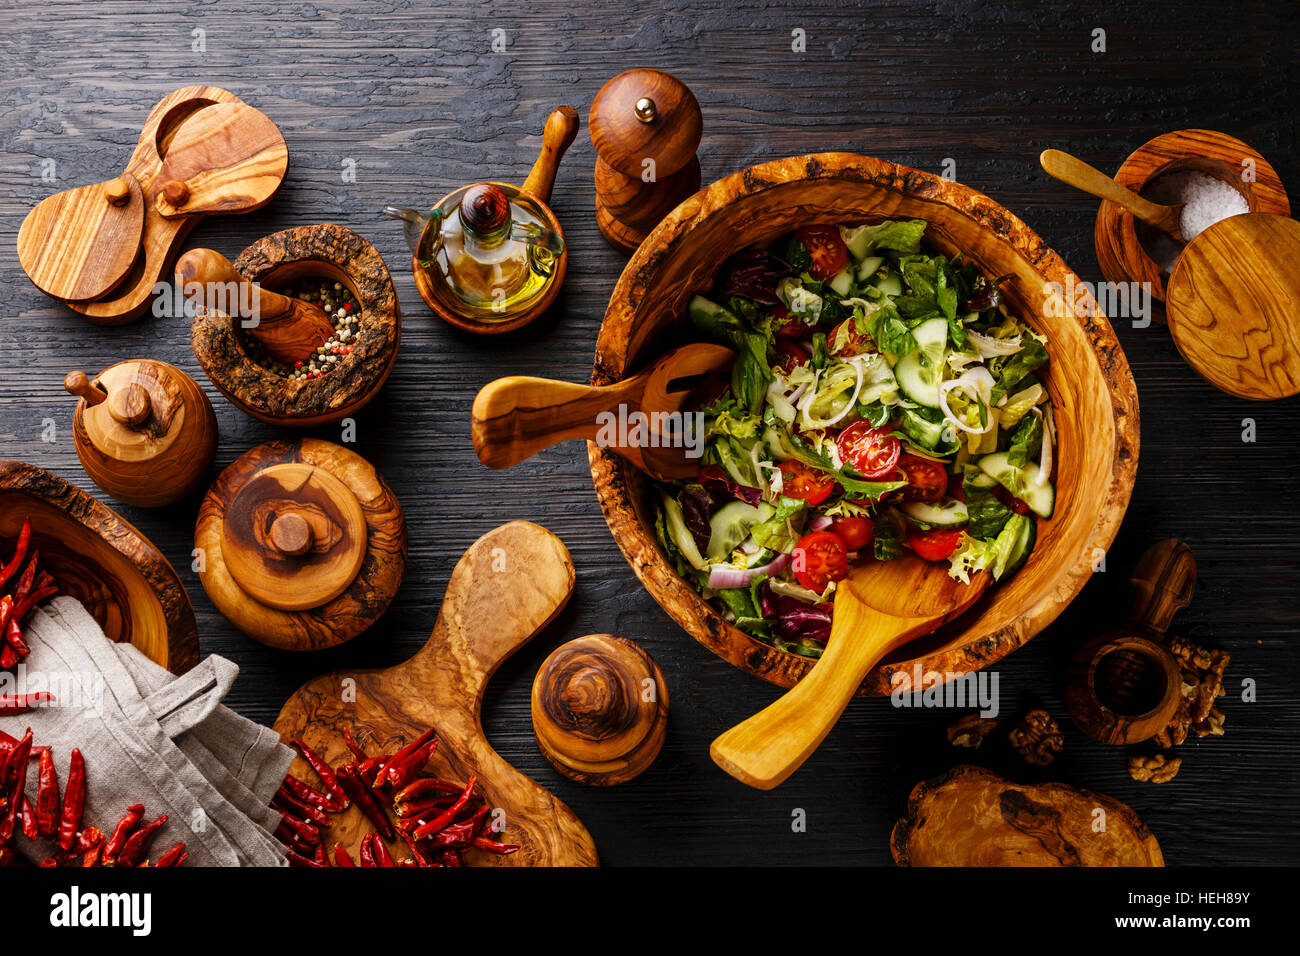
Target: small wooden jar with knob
[303, 544]
[144, 431]
[1124, 687]
[646, 126]
[600, 709]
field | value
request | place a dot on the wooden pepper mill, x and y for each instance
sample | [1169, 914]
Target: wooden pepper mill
[144, 431]
[303, 544]
[1124, 687]
[646, 126]
[600, 709]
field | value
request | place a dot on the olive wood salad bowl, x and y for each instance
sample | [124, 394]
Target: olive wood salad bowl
[1087, 378]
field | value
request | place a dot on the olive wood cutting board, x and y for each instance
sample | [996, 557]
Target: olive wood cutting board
[509, 585]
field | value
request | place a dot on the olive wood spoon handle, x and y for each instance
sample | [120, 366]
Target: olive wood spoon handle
[1075, 172]
[561, 129]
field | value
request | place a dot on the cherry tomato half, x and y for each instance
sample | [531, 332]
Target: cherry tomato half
[787, 325]
[804, 481]
[926, 480]
[790, 356]
[828, 251]
[856, 532]
[847, 341]
[819, 559]
[1010, 500]
[871, 452]
[935, 545]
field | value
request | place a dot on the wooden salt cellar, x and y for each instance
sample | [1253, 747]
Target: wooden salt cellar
[1123, 687]
[303, 543]
[144, 431]
[600, 709]
[289, 328]
[646, 126]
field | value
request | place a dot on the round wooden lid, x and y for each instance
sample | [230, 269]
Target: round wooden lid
[1233, 305]
[135, 411]
[645, 114]
[600, 709]
[294, 536]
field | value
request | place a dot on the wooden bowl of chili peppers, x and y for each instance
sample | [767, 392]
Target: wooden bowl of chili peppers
[55, 535]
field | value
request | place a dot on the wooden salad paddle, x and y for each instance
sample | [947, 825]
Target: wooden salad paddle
[1075, 172]
[518, 416]
[509, 585]
[880, 606]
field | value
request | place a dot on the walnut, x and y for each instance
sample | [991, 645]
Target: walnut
[1038, 738]
[1157, 769]
[970, 731]
[1202, 676]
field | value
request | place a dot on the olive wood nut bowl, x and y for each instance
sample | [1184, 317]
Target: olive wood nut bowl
[97, 557]
[1088, 379]
[324, 252]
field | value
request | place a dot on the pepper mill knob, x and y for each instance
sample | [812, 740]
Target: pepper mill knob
[600, 709]
[646, 126]
[130, 405]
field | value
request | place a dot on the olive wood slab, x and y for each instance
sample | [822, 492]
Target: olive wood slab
[506, 588]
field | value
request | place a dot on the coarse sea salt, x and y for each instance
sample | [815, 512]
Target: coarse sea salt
[1206, 200]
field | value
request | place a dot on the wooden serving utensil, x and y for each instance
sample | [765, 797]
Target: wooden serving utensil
[1075, 172]
[289, 329]
[880, 606]
[518, 416]
[505, 589]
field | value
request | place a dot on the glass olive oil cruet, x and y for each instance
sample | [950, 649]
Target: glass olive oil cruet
[491, 256]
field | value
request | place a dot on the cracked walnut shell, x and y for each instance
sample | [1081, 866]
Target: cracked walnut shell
[1038, 738]
[970, 731]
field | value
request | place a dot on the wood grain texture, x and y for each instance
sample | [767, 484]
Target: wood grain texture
[1119, 249]
[320, 252]
[1088, 379]
[600, 709]
[1075, 172]
[973, 817]
[333, 591]
[506, 588]
[1234, 306]
[346, 80]
[151, 441]
[879, 607]
[96, 556]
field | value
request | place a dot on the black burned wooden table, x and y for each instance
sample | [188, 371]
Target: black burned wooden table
[402, 101]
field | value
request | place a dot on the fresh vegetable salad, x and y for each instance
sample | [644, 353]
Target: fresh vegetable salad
[883, 399]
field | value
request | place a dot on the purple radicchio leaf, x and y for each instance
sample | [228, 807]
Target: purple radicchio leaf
[754, 274]
[722, 488]
[795, 620]
[695, 502]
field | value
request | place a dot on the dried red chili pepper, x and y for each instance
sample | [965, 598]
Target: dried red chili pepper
[369, 768]
[417, 807]
[15, 638]
[448, 815]
[15, 779]
[92, 856]
[90, 838]
[20, 552]
[29, 819]
[368, 850]
[422, 786]
[451, 858]
[36, 597]
[419, 854]
[365, 798]
[173, 857]
[297, 831]
[304, 792]
[6, 609]
[297, 859]
[11, 704]
[137, 845]
[47, 797]
[341, 856]
[74, 801]
[398, 766]
[134, 814]
[403, 773]
[357, 750]
[492, 846]
[8, 661]
[323, 771]
[285, 801]
[25, 582]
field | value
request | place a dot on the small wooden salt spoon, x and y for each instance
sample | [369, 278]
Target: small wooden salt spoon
[518, 416]
[1075, 172]
[880, 606]
[289, 329]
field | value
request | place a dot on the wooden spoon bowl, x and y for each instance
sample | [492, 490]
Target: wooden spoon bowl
[1088, 380]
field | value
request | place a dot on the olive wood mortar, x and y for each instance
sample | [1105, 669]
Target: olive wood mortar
[97, 557]
[324, 252]
[1087, 378]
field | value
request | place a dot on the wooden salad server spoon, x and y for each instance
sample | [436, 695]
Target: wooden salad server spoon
[880, 606]
[289, 329]
[518, 416]
[1075, 172]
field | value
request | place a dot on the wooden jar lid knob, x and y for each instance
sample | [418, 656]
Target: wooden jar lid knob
[291, 534]
[117, 191]
[176, 192]
[645, 114]
[485, 208]
[79, 384]
[600, 709]
[131, 405]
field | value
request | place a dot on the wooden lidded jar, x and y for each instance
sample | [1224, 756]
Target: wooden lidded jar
[646, 126]
[303, 544]
[324, 252]
[144, 431]
[600, 709]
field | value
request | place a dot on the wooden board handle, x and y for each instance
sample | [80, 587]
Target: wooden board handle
[516, 417]
[289, 329]
[561, 128]
[1075, 172]
[1163, 583]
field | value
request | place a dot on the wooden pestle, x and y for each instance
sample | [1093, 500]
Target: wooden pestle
[289, 329]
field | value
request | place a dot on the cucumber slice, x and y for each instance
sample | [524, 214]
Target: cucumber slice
[865, 269]
[842, 281]
[1012, 546]
[675, 522]
[890, 285]
[858, 239]
[981, 480]
[701, 309]
[1021, 482]
[948, 513]
[932, 338]
[921, 430]
[917, 380]
[730, 526]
